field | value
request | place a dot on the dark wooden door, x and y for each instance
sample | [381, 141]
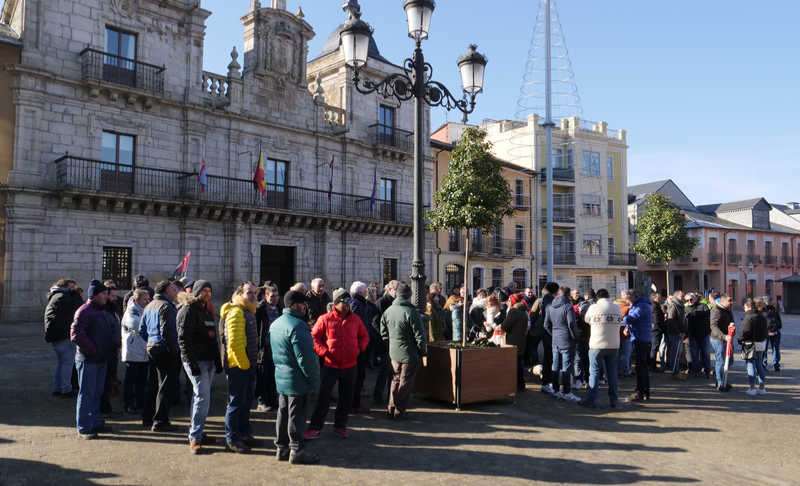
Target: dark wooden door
[278, 265]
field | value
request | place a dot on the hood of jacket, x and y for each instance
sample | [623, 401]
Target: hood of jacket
[237, 301]
[561, 301]
[56, 290]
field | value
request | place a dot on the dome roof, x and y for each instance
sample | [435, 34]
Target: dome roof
[334, 41]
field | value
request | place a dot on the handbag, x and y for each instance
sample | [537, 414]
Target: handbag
[761, 346]
[748, 350]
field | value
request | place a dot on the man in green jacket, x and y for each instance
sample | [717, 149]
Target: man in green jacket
[296, 375]
[403, 334]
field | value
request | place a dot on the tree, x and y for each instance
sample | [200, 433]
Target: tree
[661, 233]
[473, 195]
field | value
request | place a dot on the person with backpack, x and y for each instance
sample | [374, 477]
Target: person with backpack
[774, 325]
[753, 342]
[560, 323]
[582, 350]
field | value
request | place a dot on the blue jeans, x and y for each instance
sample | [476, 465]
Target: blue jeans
[598, 359]
[92, 378]
[774, 343]
[701, 354]
[719, 358]
[562, 362]
[755, 369]
[201, 397]
[674, 343]
[65, 355]
[624, 363]
[241, 386]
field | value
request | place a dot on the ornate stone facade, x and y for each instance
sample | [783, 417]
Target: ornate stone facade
[70, 201]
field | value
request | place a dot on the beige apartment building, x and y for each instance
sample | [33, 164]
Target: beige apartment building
[590, 224]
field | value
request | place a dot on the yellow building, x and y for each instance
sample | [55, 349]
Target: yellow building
[590, 237]
[498, 258]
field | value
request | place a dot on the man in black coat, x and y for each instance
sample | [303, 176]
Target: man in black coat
[62, 302]
[698, 321]
[659, 330]
[381, 361]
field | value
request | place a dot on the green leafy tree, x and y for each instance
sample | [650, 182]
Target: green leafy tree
[473, 195]
[661, 233]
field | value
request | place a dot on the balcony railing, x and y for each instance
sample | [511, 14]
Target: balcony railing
[625, 259]
[786, 261]
[94, 175]
[391, 137]
[714, 257]
[560, 258]
[111, 68]
[561, 214]
[566, 175]
[753, 260]
[521, 202]
[490, 246]
[734, 258]
[770, 260]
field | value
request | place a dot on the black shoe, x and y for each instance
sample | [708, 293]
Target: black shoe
[252, 441]
[162, 427]
[131, 411]
[777, 368]
[725, 388]
[282, 454]
[238, 447]
[612, 404]
[302, 457]
[587, 404]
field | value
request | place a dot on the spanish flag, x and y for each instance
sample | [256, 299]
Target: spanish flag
[258, 177]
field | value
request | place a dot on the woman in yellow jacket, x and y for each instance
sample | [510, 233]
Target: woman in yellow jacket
[239, 349]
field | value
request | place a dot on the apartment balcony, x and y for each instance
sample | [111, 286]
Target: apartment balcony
[491, 247]
[560, 258]
[521, 202]
[714, 257]
[753, 259]
[93, 183]
[561, 214]
[786, 261]
[391, 137]
[622, 259]
[101, 66]
[559, 175]
[770, 260]
[734, 258]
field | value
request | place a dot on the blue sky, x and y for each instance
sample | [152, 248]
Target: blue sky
[707, 90]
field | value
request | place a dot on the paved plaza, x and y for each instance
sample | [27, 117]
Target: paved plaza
[687, 434]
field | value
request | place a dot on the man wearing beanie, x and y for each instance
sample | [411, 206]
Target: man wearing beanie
[403, 334]
[160, 329]
[197, 338]
[93, 331]
[296, 375]
[339, 337]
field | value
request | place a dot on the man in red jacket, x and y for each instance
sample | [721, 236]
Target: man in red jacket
[339, 337]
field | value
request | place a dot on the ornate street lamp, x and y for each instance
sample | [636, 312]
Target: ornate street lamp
[414, 82]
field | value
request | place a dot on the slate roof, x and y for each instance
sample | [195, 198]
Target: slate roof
[731, 206]
[648, 188]
[333, 42]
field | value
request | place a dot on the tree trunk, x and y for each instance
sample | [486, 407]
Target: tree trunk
[669, 291]
[466, 292]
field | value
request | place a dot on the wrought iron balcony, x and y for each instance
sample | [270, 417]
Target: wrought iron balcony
[521, 202]
[561, 214]
[753, 260]
[491, 247]
[98, 176]
[560, 258]
[786, 261]
[623, 259]
[390, 136]
[564, 175]
[102, 66]
[734, 258]
[714, 257]
[770, 260]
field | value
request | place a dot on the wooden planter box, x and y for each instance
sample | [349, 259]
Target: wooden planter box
[469, 375]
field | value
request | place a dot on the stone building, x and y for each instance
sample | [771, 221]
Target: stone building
[590, 237]
[113, 115]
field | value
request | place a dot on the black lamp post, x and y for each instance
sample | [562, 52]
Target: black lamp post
[415, 82]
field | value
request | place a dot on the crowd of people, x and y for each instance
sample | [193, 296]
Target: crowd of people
[287, 354]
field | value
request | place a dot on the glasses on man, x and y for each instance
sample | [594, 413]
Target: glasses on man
[345, 301]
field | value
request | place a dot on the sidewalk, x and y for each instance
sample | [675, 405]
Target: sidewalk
[688, 433]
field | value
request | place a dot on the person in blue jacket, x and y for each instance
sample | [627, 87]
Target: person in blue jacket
[639, 323]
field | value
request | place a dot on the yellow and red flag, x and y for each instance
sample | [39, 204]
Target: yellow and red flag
[258, 177]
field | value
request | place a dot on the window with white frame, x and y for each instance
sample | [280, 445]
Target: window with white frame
[591, 205]
[591, 163]
[592, 245]
[610, 167]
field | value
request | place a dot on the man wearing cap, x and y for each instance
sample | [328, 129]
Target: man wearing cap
[197, 338]
[339, 337]
[404, 335]
[93, 331]
[159, 328]
[296, 375]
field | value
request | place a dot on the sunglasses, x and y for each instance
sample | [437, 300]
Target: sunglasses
[345, 301]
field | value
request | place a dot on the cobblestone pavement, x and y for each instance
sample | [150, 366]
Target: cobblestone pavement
[687, 434]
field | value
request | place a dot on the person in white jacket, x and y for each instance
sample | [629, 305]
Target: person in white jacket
[134, 352]
[604, 319]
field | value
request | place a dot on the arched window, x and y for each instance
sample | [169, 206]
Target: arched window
[453, 277]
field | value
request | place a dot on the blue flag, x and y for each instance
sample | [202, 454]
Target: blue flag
[374, 189]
